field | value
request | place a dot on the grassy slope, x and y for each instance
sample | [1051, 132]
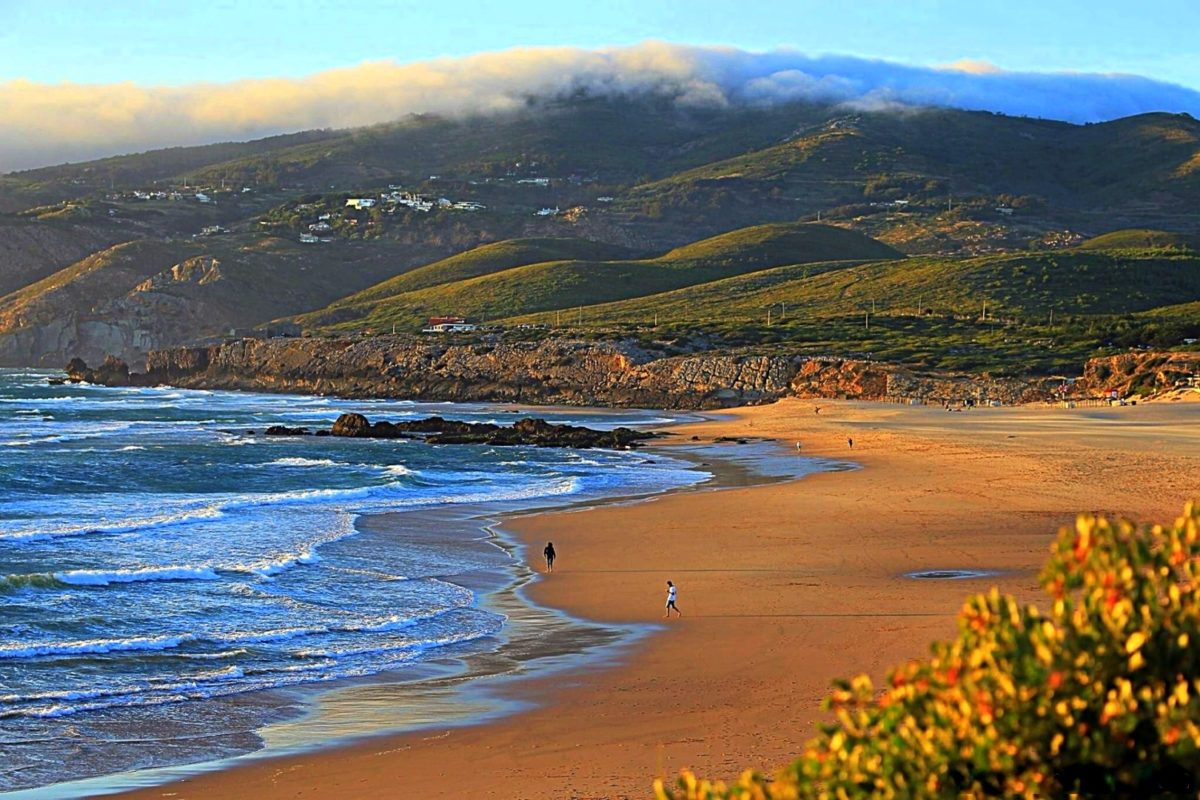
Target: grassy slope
[933, 154]
[485, 260]
[567, 284]
[1140, 239]
[1026, 285]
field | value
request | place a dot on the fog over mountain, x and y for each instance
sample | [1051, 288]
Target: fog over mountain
[52, 123]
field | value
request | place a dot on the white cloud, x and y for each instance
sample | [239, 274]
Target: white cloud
[52, 123]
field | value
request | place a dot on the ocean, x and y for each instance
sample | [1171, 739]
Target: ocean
[171, 582]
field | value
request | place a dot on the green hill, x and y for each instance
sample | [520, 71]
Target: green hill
[1141, 239]
[487, 259]
[1017, 312]
[1027, 286]
[567, 284]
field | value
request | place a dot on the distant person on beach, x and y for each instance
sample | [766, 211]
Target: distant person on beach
[671, 592]
[549, 554]
[817, 410]
[851, 443]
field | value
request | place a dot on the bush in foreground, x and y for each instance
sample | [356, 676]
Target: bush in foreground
[1099, 695]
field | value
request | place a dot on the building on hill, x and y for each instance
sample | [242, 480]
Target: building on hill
[448, 325]
[360, 202]
[547, 212]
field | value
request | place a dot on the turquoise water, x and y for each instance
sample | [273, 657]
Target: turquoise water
[158, 559]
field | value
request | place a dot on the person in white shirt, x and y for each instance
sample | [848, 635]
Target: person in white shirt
[671, 592]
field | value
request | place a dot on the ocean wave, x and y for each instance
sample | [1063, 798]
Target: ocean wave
[181, 516]
[95, 577]
[305, 462]
[35, 580]
[92, 646]
[268, 569]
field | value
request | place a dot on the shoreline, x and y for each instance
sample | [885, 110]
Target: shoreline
[469, 688]
[664, 728]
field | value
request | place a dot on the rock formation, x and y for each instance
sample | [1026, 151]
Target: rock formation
[573, 372]
[436, 430]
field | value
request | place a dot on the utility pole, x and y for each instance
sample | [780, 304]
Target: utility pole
[1052, 318]
[768, 316]
[867, 320]
[782, 311]
[872, 305]
[581, 316]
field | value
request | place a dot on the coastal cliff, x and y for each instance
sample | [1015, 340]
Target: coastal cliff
[551, 371]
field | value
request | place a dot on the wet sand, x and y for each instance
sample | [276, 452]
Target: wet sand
[783, 587]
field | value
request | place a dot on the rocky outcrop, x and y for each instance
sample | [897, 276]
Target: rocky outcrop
[1132, 374]
[436, 430]
[560, 371]
[112, 372]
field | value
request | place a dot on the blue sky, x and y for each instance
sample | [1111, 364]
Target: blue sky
[155, 42]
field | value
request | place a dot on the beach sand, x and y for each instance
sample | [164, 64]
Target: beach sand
[783, 587]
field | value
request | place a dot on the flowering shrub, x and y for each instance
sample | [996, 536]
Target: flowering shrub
[1099, 695]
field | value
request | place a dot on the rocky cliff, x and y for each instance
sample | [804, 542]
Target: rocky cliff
[554, 371]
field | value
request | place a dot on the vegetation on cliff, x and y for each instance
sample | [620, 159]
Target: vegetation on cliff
[1096, 695]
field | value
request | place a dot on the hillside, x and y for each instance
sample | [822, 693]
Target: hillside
[1141, 239]
[567, 284]
[472, 216]
[486, 259]
[1018, 311]
[141, 295]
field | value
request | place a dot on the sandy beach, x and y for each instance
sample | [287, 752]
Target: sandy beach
[783, 587]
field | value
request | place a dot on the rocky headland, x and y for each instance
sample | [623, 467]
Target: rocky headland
[623, 374]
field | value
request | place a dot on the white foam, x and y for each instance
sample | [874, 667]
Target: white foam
[92, 646]
[96, 577]
[267, 569]
[305, 462]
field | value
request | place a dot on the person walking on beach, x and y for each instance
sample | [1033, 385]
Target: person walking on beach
[851, 443]
[671, 592]
[549, 554]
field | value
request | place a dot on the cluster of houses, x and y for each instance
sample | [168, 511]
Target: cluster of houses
[395, 196]
[175, 193]
[448, 325]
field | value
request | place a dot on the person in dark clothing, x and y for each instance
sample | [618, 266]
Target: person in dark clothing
[549, 554]
[851, 443]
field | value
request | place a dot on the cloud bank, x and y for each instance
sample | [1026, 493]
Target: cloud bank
[46, 124]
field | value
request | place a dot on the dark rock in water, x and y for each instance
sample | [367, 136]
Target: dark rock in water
[113, 372]
[251, 433]
[351, 425]
[528, 431]
[283, 430]
[323, 433]
[56, 381]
